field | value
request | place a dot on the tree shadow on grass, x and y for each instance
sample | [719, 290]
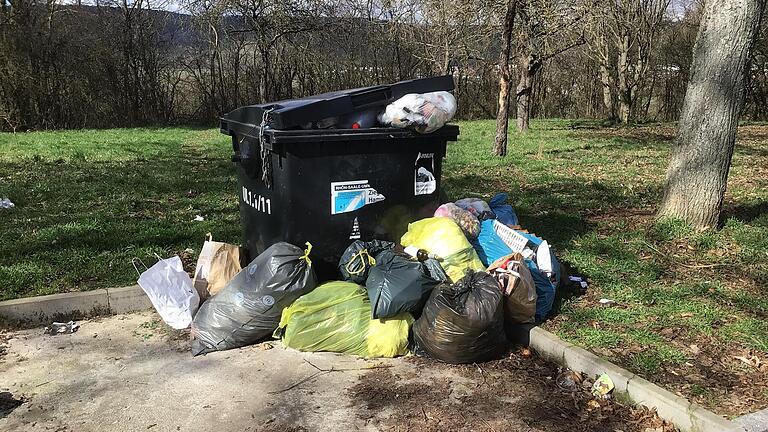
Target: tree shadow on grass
[745, 212]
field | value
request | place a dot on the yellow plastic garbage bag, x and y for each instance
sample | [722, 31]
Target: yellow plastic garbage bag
[443, 237]
[336, 317]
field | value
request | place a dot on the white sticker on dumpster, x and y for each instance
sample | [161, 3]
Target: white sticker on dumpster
[351, 195]
[424, 182]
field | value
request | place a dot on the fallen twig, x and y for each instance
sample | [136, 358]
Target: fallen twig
[702, 266]
[321, 371]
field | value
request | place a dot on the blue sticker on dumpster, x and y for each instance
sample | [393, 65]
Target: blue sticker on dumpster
[349, 196]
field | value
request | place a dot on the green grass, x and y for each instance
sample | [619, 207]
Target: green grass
[90, 201]
[87, 202]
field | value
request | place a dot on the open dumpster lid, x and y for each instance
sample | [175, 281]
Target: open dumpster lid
[292, 113]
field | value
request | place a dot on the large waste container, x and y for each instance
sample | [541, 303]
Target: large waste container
[332, 186]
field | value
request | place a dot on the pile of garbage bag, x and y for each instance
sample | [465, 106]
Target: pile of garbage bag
[449, 290]
[249, 308]
[463, 322]
[443, 238]
[336, 317]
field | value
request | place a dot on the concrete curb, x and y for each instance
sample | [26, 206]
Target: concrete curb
[755, 422]
[686, 416]
[44, 309]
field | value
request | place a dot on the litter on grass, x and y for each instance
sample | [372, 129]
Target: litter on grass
[6, 203]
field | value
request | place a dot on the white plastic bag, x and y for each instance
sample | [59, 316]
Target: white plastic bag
[544, 259]
[170, 290]
[425, 112]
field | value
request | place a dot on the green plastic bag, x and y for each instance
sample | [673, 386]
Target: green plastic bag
[336, 317]
[443, 237]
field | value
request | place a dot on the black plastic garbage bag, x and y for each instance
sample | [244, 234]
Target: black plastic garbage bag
[359, 257]
[399, 284]
[463, 322]
[249, 307]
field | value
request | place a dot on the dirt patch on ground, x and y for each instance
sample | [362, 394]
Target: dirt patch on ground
[513, 394]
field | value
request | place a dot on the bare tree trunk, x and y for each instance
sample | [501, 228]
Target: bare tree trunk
[502, 117]
[698, 171]
[607, 82]
[529, 66]
[625, 92]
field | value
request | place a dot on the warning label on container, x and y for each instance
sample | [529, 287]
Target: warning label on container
[351, 195]
[355, 234]
[424, 180]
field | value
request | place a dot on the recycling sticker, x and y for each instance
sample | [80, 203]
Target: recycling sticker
[349, 196]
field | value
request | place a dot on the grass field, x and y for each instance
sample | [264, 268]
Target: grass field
[691, 306]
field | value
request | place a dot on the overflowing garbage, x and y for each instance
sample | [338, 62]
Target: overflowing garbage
[443, 238]
[336, 317]
[449, 290]
[249, 308]
[424, 113]
[396, 268]
[170, 290]
[216, 265]
[397, 283]
[463, 322]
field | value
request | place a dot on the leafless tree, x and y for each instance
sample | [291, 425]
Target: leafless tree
[546, 29]
[502, 117]
[621, 35]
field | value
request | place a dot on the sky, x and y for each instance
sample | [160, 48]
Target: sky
[677, 8]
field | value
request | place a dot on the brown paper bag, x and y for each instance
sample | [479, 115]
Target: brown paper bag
[520, 291]
[217, 264]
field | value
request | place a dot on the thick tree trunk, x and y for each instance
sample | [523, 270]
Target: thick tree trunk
[607, 82]
[625, 108]
[529, 65]
[502, 117]
[698, 171]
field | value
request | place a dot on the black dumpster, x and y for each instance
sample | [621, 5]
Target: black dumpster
[332, 186]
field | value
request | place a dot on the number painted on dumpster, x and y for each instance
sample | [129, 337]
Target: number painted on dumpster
[257, 201]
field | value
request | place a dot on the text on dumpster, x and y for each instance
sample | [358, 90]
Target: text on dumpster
[257, 201]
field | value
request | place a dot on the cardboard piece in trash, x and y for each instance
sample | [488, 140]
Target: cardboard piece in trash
[217, 264]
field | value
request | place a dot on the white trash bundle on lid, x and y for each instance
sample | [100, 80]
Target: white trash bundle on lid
[425, 113]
